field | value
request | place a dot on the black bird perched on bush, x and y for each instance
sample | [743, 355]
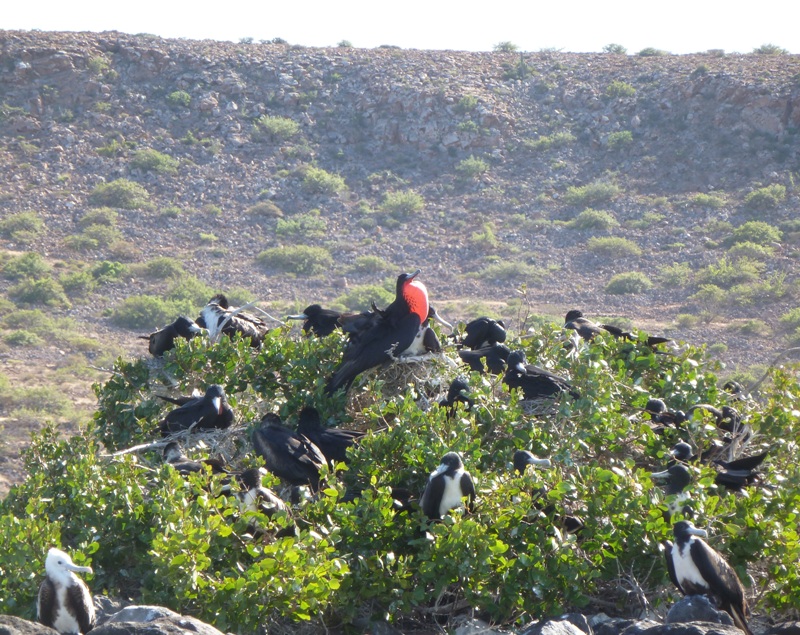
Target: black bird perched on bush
[219, 317]
[482, 332]
[288, 455]
[727, 418]
[174, 456]
[458, 391]
[211, 411]
[321, 322]
[163, 340]
[697, 569]
[588, 329]
[732, 475]
[534, 382]
[253, 496]
[332, 442]
[495, 355]
[677, 477]
[388, 334]
[524, 458]
[662, 415]
[447, 486]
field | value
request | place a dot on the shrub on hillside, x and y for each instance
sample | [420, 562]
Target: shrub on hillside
[756, 231]
[401, 205]
[28, 265]
[628, 283]
[302, 226]
[23, 227]
[319, 181]
[595, 193]
[546, 142]
[300, 259]
[144, 312]
[265, 209]
[615, 49]
[619, 139]
[121, 193]
[179, 99]
[275, 128]
[594, 219]
[42, 291]
[707, 201]
[613, 247]
[150, 160]
[617, 89]
[100, 216]
[360, 298]
[768, 197]
[676, 275]
[472, 167]
[750, 251]
[726, 273]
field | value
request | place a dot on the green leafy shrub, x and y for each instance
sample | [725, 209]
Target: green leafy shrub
[179, 99]
[628, 283]
[23, 338]
[768, 197]
[619, 139]
[265, 209]
[676, 275]
[371, 264]
[613, 247]
[120, 193]
[466, 104]
[617, 89]
[726, 273]
[359, 298]
[505, 47]
[791, 319]
[43, 291]
[594, 219]
[162, 268]
[510, 271]
[686, 320]
[77, 283]
[546, 142]
[401, 205]
[595, 193]
[750, 251]
[770, 49]
[649, 51]
[28, 265]
[757, 232]
[615, 49]
[301, 259]
[23, 227]
[319, 181]
[276, 128]
[150, 160]
[100, 216]
[93, 237]
[144, 312]
[707, 201]
[772, 289]
[472, 168]
[708, 300]
[302, 225]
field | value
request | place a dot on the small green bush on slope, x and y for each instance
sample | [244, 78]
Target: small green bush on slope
[185, 544]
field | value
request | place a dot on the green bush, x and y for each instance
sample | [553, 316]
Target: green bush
[121, 193]
[319, 181]
[472, 168]
[617, 89]
[505, 47]
[22, 227]
[302, 225]
[78, 283]
[466, 104]
[28, 265]
[359, 298]
[511, 271]
[371, 264]
[594, 219]
[750, 251]
[707, 201]
[619, 139]
[613, 247]
[651, 52]
[100, 216]
[726, 273]
[301, 259]
[756, 231]
[144, 312]
[401, 205]
[768, 197]
[23, 338]
[265, 209]
[43, 291]
[708, 300]
[150, 160]
[595, 193]
[179, 99]
[770, 49]
[615, 49]
[276, 128]
[676, 275]
[628, 283]
[162, 268]
[546, 142]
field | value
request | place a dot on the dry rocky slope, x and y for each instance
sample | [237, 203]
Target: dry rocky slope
[74, 108]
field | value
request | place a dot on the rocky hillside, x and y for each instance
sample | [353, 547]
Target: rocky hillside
[233, 159]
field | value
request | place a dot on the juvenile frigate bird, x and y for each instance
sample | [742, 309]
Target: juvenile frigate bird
[588, 330]
[333, 442]
[458, 391]
[218, 316]
[534, 382]
[64, 601]
[447, 486]
[426, 340]
[200, 413]
[163, 340]
[697, 569]
[287, 454]
[387, 335]
[319, 321]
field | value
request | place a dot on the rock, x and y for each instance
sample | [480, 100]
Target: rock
[177, 625]
[696, 608]
[552, 627]
[579, 620]
[688, 628]
[10, 625]
[784, 628]
[469, 626]
[145, 613]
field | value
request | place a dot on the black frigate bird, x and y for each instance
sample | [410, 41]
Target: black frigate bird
[732, 475]
[332, 442]
[495, 356]
[218, 316]
[287, 454]
[64, 602]
[388, 334]
[211, 411]
[163, 340]
[253, 496]
[697, 569]
[447, 487]
[482, 332]
[662, 417]
[535, 382]
[174, 456]
[426, 340]
[318, 321]
[524, 458]
[457, 392]
[727, 418]
[677, 477]
[587, 329]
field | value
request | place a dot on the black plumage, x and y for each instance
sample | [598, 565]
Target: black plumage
[727, 418]
[163, 340]
[732, 475]
[211, 411]
[332, 442]
[535, 382]
[587, 329]
[64, 602]
[491, 357]
[287, 454]
[174, 456]
[457, 392]
[386, 335]
[221, 318]
[447, 486]
[697, 569]
[318, 321]
[482, 332]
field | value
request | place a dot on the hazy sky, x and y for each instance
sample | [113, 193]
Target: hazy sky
[677, 26]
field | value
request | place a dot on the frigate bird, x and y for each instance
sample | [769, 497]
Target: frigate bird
[482, 332]
[218, 316]
[211, 411]
[64, 602]
[287, 454]
[677, 477]
[386, 336]
[732, 475]
[163, 340]
[321, 322]
[727, 418]
[457, 392]
[697, 569]
[534, 382]
[426, 340]
[332, 442]
[495, 356]
[587, 329]
[447, 486]
[253, 496]
[174, 456]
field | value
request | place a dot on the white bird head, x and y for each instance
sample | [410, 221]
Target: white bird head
[59, 566]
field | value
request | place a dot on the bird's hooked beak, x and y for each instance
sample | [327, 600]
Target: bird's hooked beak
[217, 401]
[415, 274]
[520, 367]
[441, 320]
[193, 328]
[299, 316]
[696, 531]
[540, 462]
[74, 567]
[664, 474]
[439, 470]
